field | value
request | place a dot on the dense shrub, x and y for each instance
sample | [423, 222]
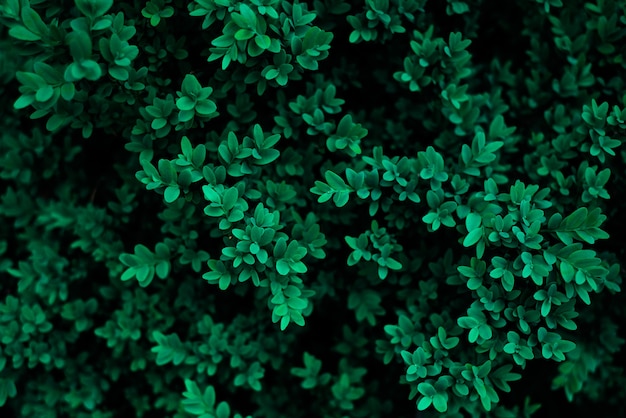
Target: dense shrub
[333, 208]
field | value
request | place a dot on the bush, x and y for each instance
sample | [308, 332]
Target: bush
[333, 208]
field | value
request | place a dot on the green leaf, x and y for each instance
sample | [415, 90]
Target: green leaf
[169, 348]
[91, 70]
[244, 35]
[247, 14]
[7, 390]
[307, 62]
[163, 269]
[223, 41]
[171, 194]
[205, 107]
[576, 218]
[21, 33]
[80, 45]
[424, 403]
[185, 147]
[230, 198]
[55, 122]
[222, 410]
[282, 267]
[335, 181]
[263, 41]
[196, 402]
[473, 237]
[155, 20]
[341, 198]
[93, 8]
[67, 91]
[440, 402]
[32, 80]
[191, 86]
[101, 25]
[24, 101]
[185, 103]
[118, 73]
[271, 73]
[44, 94]
[33, 22]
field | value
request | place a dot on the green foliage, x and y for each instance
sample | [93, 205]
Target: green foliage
[310, 372]
[156, 10]
[194, 100]
[202, 404]
[269, 208]
[143, 264]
